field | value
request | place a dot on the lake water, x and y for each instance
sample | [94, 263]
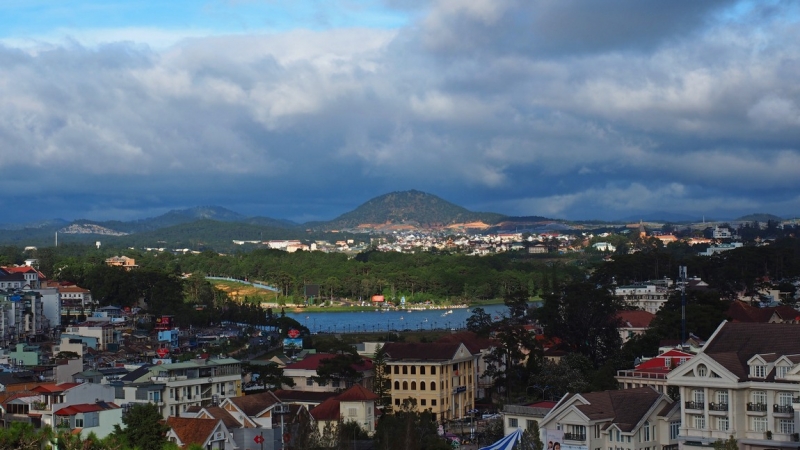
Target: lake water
[373, 321]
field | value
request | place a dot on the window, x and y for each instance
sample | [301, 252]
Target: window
[433, 370]
[513, 422]
[413, 385]
[433, 402]
[597, 431]
[421, 385]
[422, 370]
[529, 424]
[782, 371]
[645, 433]
[433, 385]
[335, 383]
[78, 423]
[759, 397]
[397, 402]
[702, 370]
[785, 398]
[397, 370]
[619, 436]
[758, 424]
[722, 397]
[413, 370]
[405, 385]
[405, 370]
[699, 396]
[699, 422]
[759, 371]
[309, 382]
[674, 430]
[397, 385]
[786, 426]
[352, 412]
[723, 423]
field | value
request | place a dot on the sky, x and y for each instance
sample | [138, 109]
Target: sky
[305, 109]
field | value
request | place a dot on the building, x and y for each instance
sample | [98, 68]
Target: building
[54, 397]
[439, 376]
[105, 333]
[210, 434]
[356, 404]
[199, 382]
[653, 372]
[648, 297]
[633, 323]
[75, 301]
[626, 419]
[304, 371]
[744, 383]
[524, 416]
[122, 261]
[96, 418]
[715, 249]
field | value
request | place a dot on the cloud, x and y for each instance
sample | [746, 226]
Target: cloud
[544, 108]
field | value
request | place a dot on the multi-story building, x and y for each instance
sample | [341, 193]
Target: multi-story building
[105, 333]
[54, 397]
[745, 382]
[647, 297]
[122, 261]
[76, 301]
[304, 372]
[21, 316]
[653, 372]
[636, 419]
[198, 382]
[439, 376]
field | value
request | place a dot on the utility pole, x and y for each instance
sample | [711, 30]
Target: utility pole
[682, 278]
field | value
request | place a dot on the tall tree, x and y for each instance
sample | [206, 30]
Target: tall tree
[143, 427]
[382, 383]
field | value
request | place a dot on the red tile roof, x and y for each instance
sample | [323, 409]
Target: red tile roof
[635, 318]
[357, 393]
[192, 430]
[311, 362]
[327, 410]
[53, 388]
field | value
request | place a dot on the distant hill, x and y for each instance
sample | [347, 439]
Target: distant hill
[758, 217]
[42, 224]
[409, 207]
[661, 216]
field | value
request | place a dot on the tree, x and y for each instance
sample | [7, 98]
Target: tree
[382, 383]
[144, 428]
[728, 444]
[480, 322]
[271, 375]
[408, 429]
[342, 368]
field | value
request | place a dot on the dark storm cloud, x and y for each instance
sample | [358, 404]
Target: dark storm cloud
[563, 109]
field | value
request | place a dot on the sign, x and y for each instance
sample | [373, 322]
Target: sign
[377, 298]
[296, 344]
[162, 352]
[258, 439]
[293, 333]
[460, 389]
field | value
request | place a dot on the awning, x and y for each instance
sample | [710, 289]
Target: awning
[507, 443]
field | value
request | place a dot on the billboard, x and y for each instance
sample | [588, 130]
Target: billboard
[311, 290]
[555, 441]
[292, 343]
[377, 298]
[163, 323]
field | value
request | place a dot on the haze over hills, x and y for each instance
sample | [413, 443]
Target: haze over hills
[405, 210]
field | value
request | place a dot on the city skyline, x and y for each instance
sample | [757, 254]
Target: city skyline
[304, 110]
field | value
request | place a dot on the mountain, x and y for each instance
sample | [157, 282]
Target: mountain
[661, 216]
[758, 217]
[42, 224]
[414, 208]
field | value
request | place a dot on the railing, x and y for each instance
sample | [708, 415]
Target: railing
[717, 406]
[782, 409]
[574, 437]
[669, 447]
[694, 405]
[647, 375]
[757, 407]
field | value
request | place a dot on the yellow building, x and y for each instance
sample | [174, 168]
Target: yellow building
[439, 376]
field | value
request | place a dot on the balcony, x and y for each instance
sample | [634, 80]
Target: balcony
[574, 437]
[757, 407]
[717, 406]
[669, 447]
[695, 405]
[783, 409]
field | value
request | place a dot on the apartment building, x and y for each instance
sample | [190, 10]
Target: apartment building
[745, 383]
[653, 372]
[440, 376]
[647, 297]
[304, 371]
[198, 382]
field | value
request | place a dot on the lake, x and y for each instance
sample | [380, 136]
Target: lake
[373, 321]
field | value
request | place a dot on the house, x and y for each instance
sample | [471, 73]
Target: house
[55, 397]
[626, 419]
[524, 416]
[304, 371]
[740, 311]
[440, 376]
[122, 261]
[743, 383]
[632, 323]
[648, 297]
[653, 372]
[96, 418]
[356, 404]
[252, 411]
[210, 434]
[105, 333]
[308, 399]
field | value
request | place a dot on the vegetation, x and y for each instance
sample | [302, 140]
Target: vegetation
[143, 428]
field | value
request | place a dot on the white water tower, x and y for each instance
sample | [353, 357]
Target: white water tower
[97, 244]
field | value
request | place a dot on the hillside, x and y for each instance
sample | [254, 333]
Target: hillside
[414, 208]
[759, 217]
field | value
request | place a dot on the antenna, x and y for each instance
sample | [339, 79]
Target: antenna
[56, 238]
[682, 278]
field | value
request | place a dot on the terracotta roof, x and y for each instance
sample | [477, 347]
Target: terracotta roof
[357, 393]
[735, 343]
[471, 340]
[52, 388]
[287, 395]
[742, 312]
[223, 415]
[625, 407]
[254, 404]
[192, 430]
[327, 410]
[311, 362]
[421, 351]
[635, 318]
[84, 408]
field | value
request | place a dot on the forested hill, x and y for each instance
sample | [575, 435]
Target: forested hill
[409, 207]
